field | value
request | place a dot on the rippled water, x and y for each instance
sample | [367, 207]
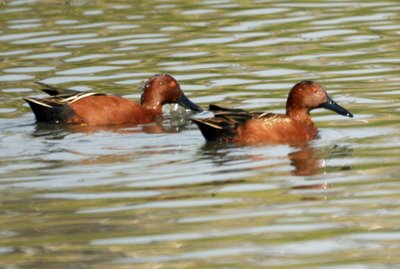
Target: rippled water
[160, 197]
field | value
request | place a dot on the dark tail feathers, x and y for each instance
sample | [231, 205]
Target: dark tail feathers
[47, 113]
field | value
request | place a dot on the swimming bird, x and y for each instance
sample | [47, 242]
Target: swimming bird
[94, 109]
[241, 126]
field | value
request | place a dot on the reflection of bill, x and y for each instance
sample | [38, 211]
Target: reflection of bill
[176, 112]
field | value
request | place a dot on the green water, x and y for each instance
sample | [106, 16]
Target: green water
[130, 197]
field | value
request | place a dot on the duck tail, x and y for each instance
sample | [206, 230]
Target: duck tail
[45, 112]
[223, 127]
[214, 129]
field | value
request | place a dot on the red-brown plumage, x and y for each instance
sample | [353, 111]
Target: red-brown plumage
[66, 106]
[277, 129]
[110, 110]
[240, 126]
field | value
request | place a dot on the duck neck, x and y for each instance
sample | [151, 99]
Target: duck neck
[151, 104]
[300, 115]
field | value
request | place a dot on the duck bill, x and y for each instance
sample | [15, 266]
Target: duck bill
[331, 105]
[185, 102]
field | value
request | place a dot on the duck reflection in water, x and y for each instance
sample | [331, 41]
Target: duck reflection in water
[305, 160]
[166, 125]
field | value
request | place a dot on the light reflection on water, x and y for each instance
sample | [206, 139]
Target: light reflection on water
[157, 194]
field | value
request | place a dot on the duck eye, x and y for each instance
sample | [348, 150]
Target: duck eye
[161, 83]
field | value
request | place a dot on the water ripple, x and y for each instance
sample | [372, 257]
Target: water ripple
[327, 33]
[162, 204]
[281, 250]
[109, 39]
[215, 234]
[87, 70]
[58, 80]
[15, 77]
[251, 25]
[96, 196]
[48, 39]
[47, 55]
[32, 69]
[260, 11]
[25, 35]
[369, 17]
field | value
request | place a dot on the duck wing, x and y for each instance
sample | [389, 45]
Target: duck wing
[59, 96]
[223, 126]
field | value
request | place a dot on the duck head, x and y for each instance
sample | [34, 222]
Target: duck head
[308, 95]
[162, 89]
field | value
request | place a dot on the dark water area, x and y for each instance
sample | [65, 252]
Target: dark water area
[157, 195]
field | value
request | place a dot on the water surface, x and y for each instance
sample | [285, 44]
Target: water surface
[158, 196]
